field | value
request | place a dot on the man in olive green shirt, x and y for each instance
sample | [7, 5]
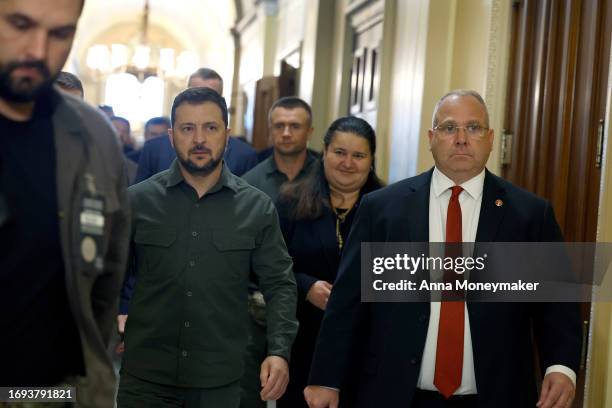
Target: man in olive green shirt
[198, 231]
[290, 127]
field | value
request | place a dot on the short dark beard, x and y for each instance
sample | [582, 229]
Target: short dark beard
[196, 170]
[23, 91]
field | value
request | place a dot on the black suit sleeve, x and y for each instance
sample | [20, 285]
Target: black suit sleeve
[557, 326]
[344, 309]
[288, 226]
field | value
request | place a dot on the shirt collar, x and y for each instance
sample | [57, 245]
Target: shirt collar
[271, 165]
[440, 183]
[227, 179]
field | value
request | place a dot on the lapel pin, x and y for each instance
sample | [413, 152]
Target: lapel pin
[499, 202]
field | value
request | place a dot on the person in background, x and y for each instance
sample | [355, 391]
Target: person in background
[156, 127]
[70, 83]
[107, 110]
[290, 127]
[157, 152]
[65, 225]
[316, 214]
[124, 132]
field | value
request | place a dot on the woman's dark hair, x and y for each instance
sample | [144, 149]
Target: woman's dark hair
[308, 196]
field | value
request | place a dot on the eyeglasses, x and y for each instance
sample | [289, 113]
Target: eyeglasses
[450, 129]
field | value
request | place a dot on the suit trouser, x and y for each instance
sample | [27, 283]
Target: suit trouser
[250, 384]
[136, 393]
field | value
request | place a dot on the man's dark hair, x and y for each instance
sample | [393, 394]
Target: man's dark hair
[122, 120]
[197, 96]
[206, 73]
[159, 120]
[290, 102]
[107, 109]
[66, 80]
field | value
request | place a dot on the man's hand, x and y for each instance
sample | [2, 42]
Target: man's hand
[557, 391]
[121, 320]
[321, 397]
[274, 378]
[319, 293]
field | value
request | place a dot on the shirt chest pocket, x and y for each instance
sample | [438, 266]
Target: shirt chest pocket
[232, 253]
[156, 253]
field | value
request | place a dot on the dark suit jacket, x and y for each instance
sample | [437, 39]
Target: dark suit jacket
[394, 333]
[157, 154]
[240, 156]
[314, 248]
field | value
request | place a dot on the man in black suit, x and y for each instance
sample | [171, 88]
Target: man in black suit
[490, 343]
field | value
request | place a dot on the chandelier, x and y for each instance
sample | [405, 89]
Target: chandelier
[140, 58]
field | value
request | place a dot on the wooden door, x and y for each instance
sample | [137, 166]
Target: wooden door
[365, 70]
[555, 110]
[267, 91]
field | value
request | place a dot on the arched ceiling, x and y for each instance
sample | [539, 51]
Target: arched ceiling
[199, 25]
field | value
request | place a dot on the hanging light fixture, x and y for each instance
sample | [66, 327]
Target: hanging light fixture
[141, 58]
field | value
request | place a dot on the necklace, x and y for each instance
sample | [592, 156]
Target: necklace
[341, 214]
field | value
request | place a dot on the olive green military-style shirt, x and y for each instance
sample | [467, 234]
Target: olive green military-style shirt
[268, 178]
[192, 256]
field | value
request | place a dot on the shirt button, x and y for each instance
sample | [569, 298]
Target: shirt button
[184, 353]
[191, 263]
[196, 205]
[189, 294]
[187, 324]
[194, 234]
[413, 361]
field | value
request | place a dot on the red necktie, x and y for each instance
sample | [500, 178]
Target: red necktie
[449, 351]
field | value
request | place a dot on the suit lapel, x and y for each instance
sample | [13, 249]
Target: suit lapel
[492, 210]
[413, 226]
[417, 209]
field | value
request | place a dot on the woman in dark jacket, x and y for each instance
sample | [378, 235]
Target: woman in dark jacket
[316, 215]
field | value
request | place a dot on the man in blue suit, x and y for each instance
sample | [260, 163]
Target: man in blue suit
[158, 153]
[417, 354]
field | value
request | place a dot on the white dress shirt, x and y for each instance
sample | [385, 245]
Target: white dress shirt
[470, 200]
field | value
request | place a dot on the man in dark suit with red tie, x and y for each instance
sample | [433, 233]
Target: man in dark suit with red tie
[446, 354]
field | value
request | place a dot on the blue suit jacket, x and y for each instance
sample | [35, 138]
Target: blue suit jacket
[240, 156]
[157, 154]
